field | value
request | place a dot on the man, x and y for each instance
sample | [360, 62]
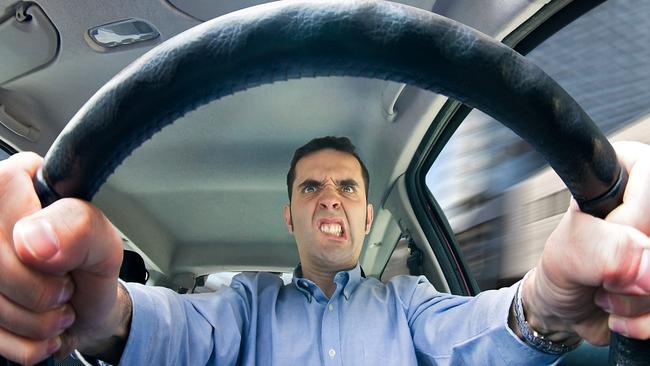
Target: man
[69, 256]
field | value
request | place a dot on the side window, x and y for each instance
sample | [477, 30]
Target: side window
[500, 198]
[5, 150]
[406, 259]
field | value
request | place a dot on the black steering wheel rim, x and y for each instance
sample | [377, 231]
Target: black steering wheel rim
[328, 38]
[280, 41]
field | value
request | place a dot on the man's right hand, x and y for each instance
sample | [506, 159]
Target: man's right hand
[58, 270]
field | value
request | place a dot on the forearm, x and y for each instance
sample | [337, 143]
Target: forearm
[110, 346]
[472, 329]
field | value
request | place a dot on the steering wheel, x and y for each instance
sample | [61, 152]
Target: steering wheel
[280, 41]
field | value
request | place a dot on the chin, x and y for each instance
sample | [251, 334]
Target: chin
[338, 259]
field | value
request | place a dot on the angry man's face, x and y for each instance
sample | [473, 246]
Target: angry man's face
[328, 214]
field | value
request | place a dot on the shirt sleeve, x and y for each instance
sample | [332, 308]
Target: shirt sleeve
[172, 329]
[458, 330]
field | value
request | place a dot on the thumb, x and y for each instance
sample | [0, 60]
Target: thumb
[69, 235]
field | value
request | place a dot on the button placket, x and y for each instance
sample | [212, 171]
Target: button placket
[331, 340]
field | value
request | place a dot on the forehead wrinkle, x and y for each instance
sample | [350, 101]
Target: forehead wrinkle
[317, 167]
[346, 181]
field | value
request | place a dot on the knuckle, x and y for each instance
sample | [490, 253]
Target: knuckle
[41, 300]
[33, 326]
[79, 218]
[639, 331]
[25, 288]
[618, 268]
[5, 262]
[13, 180]
[600, 339]
[642, 327]
[5, 315]
[44, 297]
[598, 336]
[9, 264]
[47, 326]
[623, 306]
[46, 329]
[31, 353]
[7, 174]
[620, 306]
[9, 319]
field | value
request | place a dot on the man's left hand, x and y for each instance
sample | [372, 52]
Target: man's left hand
[594, 275]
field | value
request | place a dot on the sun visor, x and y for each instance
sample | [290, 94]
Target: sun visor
[28, 40]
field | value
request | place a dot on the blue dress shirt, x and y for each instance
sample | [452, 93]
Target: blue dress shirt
[260, 321]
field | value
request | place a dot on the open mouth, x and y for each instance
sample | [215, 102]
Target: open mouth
[332, 227]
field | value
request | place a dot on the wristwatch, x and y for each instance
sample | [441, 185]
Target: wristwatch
[532, 337]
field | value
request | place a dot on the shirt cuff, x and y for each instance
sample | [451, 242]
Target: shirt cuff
[143, 325]
[507, 341]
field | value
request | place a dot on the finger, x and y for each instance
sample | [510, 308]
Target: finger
[81, 242]
[635, 210]
[625, 262]
[25, 351]
[602, 254]
[622, 305]
[70, 234]
[629, 152]
[633, 327]
[37, 326]
[29, 288]
[28, 161]
[17, 195]
[595, 329]
[68, 345]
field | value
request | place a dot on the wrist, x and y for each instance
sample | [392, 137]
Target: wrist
[536, 311]
[108, 345]
[535, 327]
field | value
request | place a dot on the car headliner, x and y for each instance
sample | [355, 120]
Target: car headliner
[206, 193]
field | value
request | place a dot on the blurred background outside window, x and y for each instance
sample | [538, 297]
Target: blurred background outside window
[500, 197]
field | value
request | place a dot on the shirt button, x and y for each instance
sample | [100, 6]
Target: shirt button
[331, 353]
[330, 307]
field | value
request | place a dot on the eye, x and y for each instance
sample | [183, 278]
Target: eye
[348, 189]
[309, 188]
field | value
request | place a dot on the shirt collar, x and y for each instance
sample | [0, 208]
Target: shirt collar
[347, 281]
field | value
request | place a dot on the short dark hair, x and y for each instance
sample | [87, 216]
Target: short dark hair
[342, 144]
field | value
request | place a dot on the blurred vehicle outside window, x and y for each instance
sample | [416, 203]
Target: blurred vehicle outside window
[498, 194]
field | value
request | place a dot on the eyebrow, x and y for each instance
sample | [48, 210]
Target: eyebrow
[347, 182]
[310, 182]
[342, 182]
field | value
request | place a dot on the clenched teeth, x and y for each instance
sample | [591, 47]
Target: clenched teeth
[333, 229]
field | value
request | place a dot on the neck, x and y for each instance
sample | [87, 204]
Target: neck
[323, 278]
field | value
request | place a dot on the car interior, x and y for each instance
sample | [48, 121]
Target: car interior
[186, 199]
[205, 194]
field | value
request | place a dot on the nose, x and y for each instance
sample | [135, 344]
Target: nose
[329, 200]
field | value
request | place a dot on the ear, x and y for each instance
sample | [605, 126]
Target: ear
[369, 216]
[287, 218]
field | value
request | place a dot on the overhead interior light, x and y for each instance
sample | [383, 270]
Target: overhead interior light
[122, 33]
